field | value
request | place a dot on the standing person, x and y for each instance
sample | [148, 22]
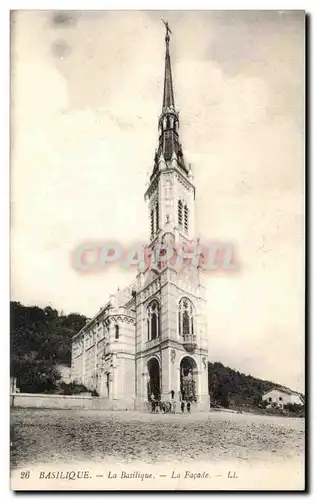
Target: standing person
[152, 403]
[188, 406]
[158, 404]
[182, 406]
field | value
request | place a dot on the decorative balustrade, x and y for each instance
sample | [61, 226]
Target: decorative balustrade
[189, 342]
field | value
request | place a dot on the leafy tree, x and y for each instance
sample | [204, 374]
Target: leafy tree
[40, 339]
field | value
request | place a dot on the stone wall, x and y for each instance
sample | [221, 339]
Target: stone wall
[24, 400]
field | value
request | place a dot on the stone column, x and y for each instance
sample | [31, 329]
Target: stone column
[142, 398]
[146, 380]
[114, 376]
[165, 386]
[203, 391]
[178, 394]
[110, 385]
[174, 380]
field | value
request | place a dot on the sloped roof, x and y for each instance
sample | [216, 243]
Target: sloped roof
[285, 390]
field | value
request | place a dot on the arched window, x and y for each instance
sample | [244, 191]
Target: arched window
[116, 332]
[180, 213]
[186, 218]
[153, 320]
[157, 216]
[185, 317]
[152, 223]
[168, 145]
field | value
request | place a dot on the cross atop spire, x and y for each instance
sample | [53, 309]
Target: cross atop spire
[167, 38]
[168, 94]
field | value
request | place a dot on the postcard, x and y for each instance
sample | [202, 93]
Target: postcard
[157, 250]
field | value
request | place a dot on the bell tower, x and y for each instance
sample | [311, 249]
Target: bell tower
[171, 191]
[171, 333]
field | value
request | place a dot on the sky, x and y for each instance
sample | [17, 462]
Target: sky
[86, 93]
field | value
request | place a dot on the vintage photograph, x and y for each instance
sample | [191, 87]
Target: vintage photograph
[157, 329]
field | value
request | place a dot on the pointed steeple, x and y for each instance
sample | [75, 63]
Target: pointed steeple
[169, 144]
[168, 94]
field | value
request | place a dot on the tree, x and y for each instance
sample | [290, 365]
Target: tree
[40, 339]
[229, 387]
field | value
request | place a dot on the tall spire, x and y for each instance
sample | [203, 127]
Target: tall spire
[168, 94]
[169, 147]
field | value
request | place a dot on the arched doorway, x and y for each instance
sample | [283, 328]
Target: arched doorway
[154, 378]
[188, 379]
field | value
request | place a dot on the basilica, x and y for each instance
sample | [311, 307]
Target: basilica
[150, 339]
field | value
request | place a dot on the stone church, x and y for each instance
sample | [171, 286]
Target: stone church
[151, 338]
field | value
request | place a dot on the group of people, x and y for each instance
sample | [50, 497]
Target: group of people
[158, 406]
[188, 406]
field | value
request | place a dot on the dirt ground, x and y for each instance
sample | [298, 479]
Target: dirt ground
[41, 436]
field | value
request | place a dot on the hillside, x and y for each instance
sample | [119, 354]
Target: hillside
[229, 387]
[41, 339]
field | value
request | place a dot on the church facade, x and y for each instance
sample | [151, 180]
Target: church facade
[151, 338]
